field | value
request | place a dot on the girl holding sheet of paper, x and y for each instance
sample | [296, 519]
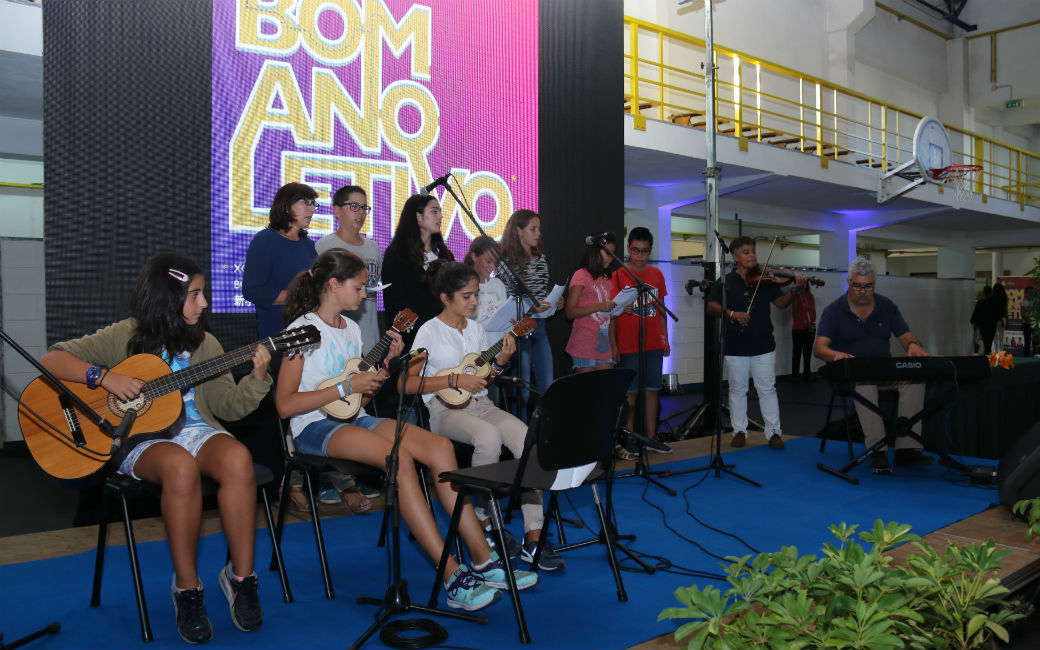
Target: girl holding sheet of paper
[589, 303]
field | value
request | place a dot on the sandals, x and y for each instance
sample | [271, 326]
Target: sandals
[623, 454]
[355, 500]
[298, 502]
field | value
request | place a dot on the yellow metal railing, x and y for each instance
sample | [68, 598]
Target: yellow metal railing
[767, 102]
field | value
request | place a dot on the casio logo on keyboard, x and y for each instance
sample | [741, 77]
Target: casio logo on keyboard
[909, 364]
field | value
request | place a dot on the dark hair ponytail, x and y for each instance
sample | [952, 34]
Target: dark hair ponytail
[304, 292]
[447, 277]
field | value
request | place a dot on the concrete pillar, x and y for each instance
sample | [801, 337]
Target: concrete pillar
[996, 265]
[956, 260]
[837, 248]
[663, 234]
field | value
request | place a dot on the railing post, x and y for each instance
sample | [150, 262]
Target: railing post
[633, 90]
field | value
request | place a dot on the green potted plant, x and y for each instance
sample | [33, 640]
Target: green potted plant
[851, 597]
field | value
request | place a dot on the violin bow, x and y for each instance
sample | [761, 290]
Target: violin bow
[765, 267]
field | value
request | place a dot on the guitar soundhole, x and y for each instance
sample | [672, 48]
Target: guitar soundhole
[470, 370]
[120, 407]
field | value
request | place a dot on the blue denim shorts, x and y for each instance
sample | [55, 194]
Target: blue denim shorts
[315, 436]
[579, 362]
[654, 368]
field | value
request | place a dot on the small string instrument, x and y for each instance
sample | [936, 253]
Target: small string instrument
[345, 408]
[78, 452]
[776, 277]
[479, 365]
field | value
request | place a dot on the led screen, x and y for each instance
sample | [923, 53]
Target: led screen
[387, 95]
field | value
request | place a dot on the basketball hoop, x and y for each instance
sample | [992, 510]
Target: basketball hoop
[962, 177]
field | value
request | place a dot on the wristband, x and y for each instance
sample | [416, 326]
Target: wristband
[500, 369]
[342, 393]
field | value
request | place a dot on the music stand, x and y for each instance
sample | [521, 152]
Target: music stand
[396, 600]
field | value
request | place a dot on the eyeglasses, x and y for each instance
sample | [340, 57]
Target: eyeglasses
[640, 251]
[861, 287]
[356, 207]
[310, 202]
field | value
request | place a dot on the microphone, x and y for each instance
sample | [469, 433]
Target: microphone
[397, 362]
[121, 431]
[443, 180]
[594, 240]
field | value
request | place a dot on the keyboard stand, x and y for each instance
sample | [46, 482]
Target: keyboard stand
[898, 427]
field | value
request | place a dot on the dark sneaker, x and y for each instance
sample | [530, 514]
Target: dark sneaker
[243, 600]
[513, 545]
[467, 591]
[776, 442]
[879, 463]
[192, 623]
[494, 575]
[739, 439]
[657, 445]
[367, 489]
[912, 457]
[549, 560]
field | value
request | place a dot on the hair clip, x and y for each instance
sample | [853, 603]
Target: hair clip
[179, 275]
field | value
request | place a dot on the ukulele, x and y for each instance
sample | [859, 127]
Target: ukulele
[479, 365]
[77, 452]
[345, 408]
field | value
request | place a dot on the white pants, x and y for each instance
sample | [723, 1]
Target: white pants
[911, 401]
[763, 369]
[485, 426]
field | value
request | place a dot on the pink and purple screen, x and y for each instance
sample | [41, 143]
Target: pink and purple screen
[384, 94]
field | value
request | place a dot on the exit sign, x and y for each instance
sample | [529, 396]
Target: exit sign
[1014, 103]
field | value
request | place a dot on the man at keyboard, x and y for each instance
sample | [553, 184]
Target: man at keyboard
[859, 324]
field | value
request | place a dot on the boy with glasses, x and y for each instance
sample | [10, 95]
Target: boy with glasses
[859, 324]
[624, 334]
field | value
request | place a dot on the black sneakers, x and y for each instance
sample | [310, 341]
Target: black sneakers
[657, 445]
[243, 600]
[192, 623]
[548, 561]
[513, 545]
[879, 463]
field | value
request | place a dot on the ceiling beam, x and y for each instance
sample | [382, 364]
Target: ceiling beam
[950, 13]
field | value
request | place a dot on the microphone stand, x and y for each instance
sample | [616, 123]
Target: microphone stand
[500, 263]
[717, 464]
[396, 600]
[645, 293]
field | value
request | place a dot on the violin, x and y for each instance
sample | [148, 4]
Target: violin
[775, 277]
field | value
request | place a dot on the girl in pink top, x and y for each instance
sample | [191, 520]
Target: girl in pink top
[588, 305]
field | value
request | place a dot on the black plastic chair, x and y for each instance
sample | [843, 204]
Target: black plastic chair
[559, 437]
[124, 487]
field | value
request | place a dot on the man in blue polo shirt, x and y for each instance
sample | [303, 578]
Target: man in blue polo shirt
[859, 324]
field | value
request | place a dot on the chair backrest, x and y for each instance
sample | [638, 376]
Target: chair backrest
[577, 416]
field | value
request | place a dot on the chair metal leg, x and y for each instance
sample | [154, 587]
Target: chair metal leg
[319, 538]
[608, 534]
[283, 504]
[514, 592]
[453, 534]
[848, 431]
[135, 571]
[276, 549]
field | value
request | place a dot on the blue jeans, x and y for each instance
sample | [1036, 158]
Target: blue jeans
[534, 350]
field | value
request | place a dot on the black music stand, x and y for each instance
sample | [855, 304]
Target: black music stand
[396, 600]
[899, 426]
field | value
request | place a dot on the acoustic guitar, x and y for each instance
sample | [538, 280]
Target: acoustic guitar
[345, 408]
[73, 448]
[479, 364]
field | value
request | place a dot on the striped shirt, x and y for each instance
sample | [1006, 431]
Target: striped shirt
[536, 275]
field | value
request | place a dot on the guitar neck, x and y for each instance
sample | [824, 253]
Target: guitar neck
[378, 352]
[492, 352]
[192, 375]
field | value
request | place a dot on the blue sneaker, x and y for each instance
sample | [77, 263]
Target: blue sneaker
[467, 591]
[494, 575]
[328, 494]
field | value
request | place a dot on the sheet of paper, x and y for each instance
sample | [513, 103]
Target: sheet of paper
[553, 298]
[625, 297]
[502, 319]
[572, 476]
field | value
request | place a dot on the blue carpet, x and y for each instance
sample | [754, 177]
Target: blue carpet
[576, 608]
